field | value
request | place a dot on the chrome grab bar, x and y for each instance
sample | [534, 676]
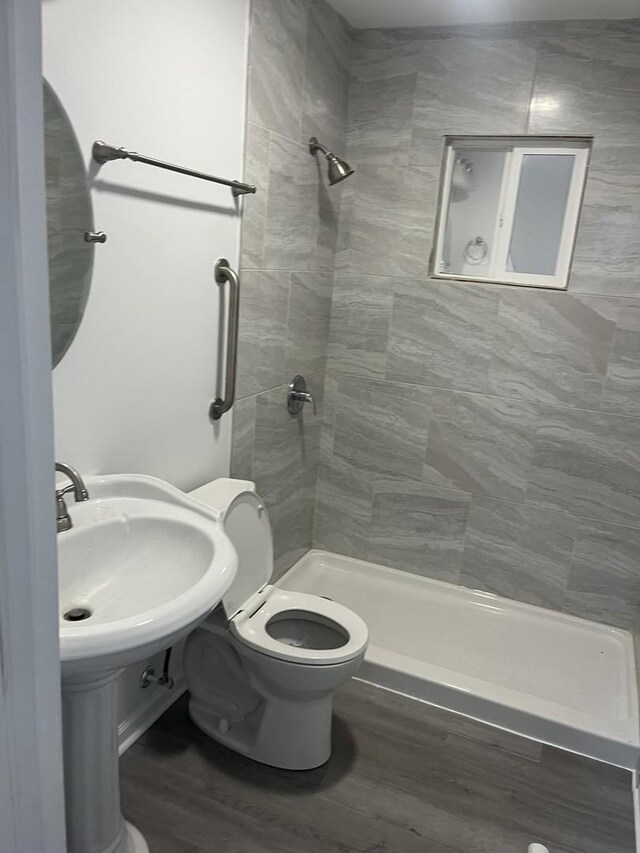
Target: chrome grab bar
[224, 273]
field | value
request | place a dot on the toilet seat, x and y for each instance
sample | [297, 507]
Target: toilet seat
[312, 630]
[250, 627]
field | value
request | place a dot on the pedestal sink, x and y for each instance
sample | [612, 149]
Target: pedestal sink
[142, 565]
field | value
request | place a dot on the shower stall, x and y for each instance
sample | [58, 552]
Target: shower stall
[470, 485]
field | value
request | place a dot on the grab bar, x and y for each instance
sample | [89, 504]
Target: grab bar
[224, 273]
[103, 153]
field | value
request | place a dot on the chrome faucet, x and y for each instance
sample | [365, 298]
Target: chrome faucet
[80, 493]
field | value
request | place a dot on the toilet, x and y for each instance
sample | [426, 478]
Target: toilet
[262, 668]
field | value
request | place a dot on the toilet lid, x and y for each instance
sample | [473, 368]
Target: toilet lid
[246, 523]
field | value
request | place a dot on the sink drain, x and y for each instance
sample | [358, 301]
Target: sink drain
[77, 614]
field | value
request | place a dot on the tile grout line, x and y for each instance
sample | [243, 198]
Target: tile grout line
[524, 400]
[342, 272]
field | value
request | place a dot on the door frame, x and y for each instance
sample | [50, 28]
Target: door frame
[31, 777]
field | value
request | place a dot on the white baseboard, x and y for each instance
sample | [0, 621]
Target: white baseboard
[136, 725]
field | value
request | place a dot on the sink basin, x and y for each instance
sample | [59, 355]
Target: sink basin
[141, 566]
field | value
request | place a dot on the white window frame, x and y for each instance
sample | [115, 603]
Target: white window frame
[516, 148]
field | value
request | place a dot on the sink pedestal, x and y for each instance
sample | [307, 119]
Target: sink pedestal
[140, 568]
[92, 789]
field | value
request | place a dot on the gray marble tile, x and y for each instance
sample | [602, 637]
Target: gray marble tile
[604, 584]
[628, 27]
[622, 384]
[360, 314]
[552, 347]
[277, 45]
[382, 54]
[285, 445]
[381, 427]
[326, 86]
[381, 119]
[607, 251]
[254, 209]
[527, 30]
[291, 227]
[418, 527]
[624, 29]
[614, 172]
[383, 78]
[243, 438]
[470, 86]
[327, 202]
[291, 514]
[343, 506]
[587, 463]
[568, 74]
[441, 334]
[345, 222]
[329, 404]
[482, 445]
[308, 324]
[391, 221]
[264, 298]
[335, 31]
[518, 551]
[343, 492]
[548, 348]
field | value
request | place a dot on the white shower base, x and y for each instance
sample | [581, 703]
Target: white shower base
[554, 678]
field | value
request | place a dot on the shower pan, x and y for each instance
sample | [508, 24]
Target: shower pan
[548, 676]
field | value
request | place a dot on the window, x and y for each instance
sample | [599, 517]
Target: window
[509, 209]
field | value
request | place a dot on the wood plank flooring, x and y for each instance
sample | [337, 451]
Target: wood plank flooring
[403, 778]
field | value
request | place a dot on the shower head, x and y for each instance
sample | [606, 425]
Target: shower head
[337, 169]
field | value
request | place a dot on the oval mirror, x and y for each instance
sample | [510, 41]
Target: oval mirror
[69, 215]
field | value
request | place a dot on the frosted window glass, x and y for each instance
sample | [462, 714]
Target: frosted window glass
[545, 180]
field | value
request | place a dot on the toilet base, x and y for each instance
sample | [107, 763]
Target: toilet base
[280, 733]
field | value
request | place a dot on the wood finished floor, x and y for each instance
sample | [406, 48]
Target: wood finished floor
[403, 778]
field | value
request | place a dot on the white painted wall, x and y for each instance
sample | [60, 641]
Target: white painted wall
[166, 79]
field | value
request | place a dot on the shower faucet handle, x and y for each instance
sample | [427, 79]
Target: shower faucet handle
[297, 396]
[305, 397]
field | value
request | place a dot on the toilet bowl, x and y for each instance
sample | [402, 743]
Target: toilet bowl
[262, 668]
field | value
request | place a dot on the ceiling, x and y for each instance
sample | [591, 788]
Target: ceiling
[417, 13]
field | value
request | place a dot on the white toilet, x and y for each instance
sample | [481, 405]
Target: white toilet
[263, 666]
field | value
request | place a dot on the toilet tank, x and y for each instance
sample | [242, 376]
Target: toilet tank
[246, 522]
[218, 494]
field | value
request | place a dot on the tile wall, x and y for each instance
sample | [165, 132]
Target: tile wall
[482, 435]
[299, 60]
